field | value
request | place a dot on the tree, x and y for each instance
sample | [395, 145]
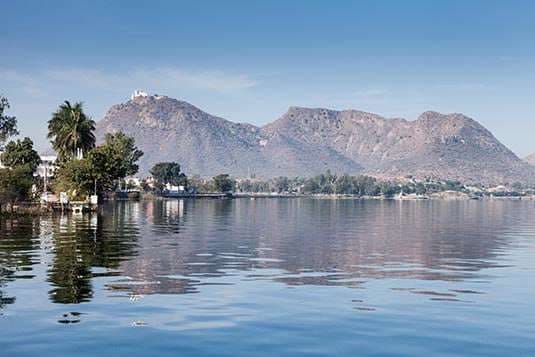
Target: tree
[343, 185]
[15, 186]
[366, 185]
[8, 124]
[75, 177]
[114, 160]
[20, 153]
[103, 167]
[388, 189]
[420, 188]
[517, 186]
[282, 184]
[71, 131]
[16, 181]
[168, 173]
[198, 184]
[223, 183]
[311, 186]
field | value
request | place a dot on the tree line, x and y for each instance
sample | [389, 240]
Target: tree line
[344, 184]
[325, 183]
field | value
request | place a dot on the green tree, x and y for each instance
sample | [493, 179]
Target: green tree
[223, 183]
[311, 186]
[75, 177]
[198, 184]
[168, 172]
[343, 185]
[388, 189]
[15, 186]
[366, 185]
[8, 124]
[20, 153]
[517, 186]
[420, 188]
[114, 160]
[103, 167]
[282, 184]
[71, 131]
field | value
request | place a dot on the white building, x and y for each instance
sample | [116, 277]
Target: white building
[47, 166]
[138, 93]
[132, 183]
[174, 189]
[45, 169]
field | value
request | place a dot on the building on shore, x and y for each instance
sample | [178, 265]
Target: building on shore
[47, 167]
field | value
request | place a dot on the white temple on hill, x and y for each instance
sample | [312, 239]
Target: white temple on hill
[138, 93]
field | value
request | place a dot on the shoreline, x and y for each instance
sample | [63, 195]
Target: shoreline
[37, 209]
[439, 196]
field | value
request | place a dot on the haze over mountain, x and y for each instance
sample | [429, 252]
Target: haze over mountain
[306, 141]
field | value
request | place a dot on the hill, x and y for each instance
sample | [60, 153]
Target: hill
[307, 141]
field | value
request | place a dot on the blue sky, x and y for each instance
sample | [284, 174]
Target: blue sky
[248, 61]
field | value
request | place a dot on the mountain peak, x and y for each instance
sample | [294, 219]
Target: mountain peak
[431, 114]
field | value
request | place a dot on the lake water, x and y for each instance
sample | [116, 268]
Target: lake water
[271, 277]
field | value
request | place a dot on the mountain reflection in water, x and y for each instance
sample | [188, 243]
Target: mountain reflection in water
[312, 242]
[175, 246]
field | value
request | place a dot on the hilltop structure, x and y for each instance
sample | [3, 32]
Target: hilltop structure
[138, 94]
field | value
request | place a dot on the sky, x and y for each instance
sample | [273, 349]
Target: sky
[248, 61]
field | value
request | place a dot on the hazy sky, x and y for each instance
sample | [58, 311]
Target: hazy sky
[249, 61]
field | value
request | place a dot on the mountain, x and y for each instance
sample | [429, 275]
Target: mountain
[438, 145]
[530, 159]
[167, 129]
[306, 141]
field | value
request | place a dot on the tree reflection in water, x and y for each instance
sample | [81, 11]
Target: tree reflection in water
[18, 242]
[82, 243]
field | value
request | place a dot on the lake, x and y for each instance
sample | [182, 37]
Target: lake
[271, 277]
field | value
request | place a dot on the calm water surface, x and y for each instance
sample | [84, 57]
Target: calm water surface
[271, 277]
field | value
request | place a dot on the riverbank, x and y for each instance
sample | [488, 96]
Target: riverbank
[35, 208]
[25, 209]
[38, 208]
[444, 195]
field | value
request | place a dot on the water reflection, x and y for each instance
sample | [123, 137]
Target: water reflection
[18, 251]
[83, 243]
[176, 246]
[302, 242]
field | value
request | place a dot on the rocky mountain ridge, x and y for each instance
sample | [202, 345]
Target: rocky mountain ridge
[307, 141]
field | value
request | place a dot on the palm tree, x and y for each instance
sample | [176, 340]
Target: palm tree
[71, 131]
